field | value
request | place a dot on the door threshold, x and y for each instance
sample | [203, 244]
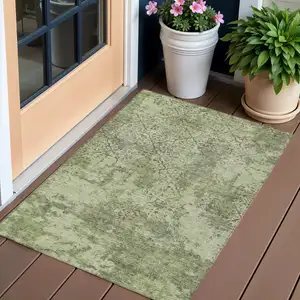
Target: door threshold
[47, 163]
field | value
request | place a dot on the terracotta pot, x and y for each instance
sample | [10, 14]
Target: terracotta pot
[261, 103]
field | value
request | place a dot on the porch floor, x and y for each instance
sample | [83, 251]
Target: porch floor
[260, 262]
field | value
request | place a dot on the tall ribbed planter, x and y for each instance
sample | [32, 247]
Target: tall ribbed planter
[188, 57]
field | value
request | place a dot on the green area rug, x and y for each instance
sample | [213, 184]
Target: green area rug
[151, 199]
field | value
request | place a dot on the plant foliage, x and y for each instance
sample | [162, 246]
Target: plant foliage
[268, 41]
[188, 20]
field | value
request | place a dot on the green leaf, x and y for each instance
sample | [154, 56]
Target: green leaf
[285, 78]
[256, 41]
[277, 79]
[245, 61]
[250, 29]
[237, 22]
[226, 38]
[277, 88]
[262, 30]
[275, 8]
[271, 27]
[291, 51]
[248, 48]
[257, 12]
[277, 44]
[272, 33]
[286, 16]
[272, 15]
[291, 64]
[263, 69]
[270, 40]
[276, 69]
[282, 25]
[262, 58]
[233, 68]
[254, 62]
[296, 20]
[297, 77]
[274, 60]
[285, 49]
[234, 58]
[282, 39]
[286, 56]
[278, 51]
[245, 71]
[287, 70]
[297, 48]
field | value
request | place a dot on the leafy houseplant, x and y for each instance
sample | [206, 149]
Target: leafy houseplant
[189, 33]
[266, 48]
[268, 41]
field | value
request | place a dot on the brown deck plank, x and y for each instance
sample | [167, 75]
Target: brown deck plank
[228, 100]
[118, 293]
[40, 281]
[240, 112]
[14, 260]
[296, 293]
[150, 79]
[288, 126]
[161, 88]
[278, 272]
[82, 285]
[238, 260]
[214, 87]
[2, 240]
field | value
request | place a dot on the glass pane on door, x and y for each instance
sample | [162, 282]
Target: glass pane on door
[62, 34]
[63, 47]
[31, 68]
[59, 7]
[29, 15]
[93, 26]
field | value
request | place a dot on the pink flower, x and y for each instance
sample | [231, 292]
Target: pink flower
[218, 18]
[198, 7]
[179, 2]
[176, 10]
[151, 8]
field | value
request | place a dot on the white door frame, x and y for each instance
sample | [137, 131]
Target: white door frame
[244, 11]
[6, 186]
[10, 189]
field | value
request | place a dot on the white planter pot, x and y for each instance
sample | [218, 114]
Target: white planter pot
[188, 57]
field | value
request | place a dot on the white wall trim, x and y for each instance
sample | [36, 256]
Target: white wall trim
[131, 42]
[6, 187]
[131, 31]
[244, 11]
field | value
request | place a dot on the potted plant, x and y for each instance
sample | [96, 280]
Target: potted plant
[266, 48]
[189, 34]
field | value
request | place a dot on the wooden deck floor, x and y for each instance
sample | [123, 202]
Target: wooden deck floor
[261, 260]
